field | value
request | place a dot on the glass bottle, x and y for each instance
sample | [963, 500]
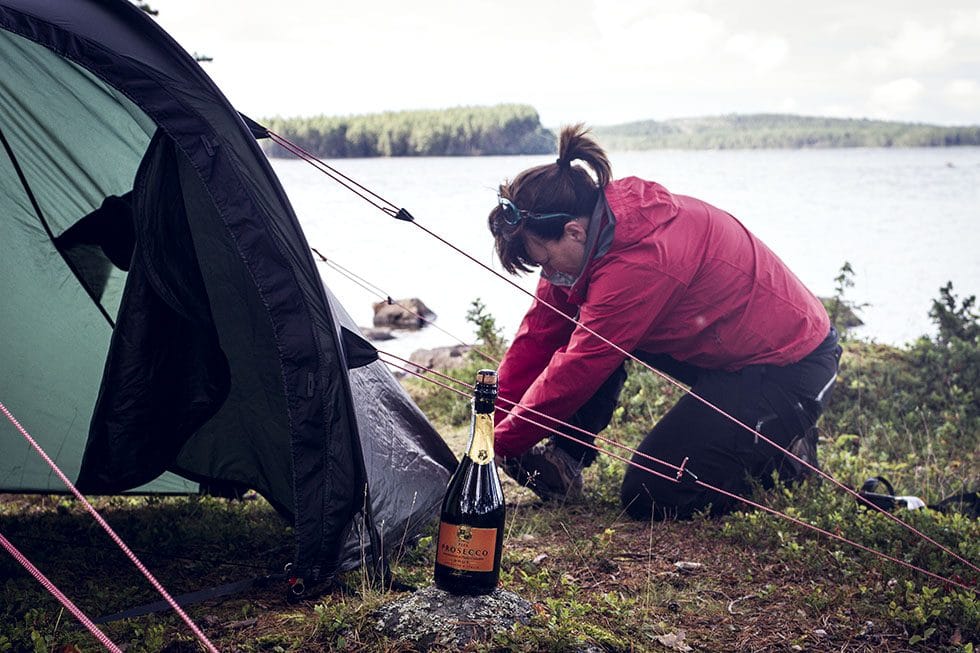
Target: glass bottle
[471, 527]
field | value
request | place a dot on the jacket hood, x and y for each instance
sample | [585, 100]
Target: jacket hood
[629, 209]
[640, 207]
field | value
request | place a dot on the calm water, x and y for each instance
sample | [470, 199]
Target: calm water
[908, 221]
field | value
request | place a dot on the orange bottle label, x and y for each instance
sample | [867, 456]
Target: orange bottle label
[466, 548]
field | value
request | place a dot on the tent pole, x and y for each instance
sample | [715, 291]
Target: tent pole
[47, 228]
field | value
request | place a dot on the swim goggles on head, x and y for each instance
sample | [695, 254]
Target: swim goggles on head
[513, 215]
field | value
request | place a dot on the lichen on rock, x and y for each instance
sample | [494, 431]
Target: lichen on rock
[431, 617]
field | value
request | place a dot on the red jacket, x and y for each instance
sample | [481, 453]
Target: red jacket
[680, 277]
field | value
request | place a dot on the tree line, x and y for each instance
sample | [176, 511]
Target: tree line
[758, 131]
[517, 129]
[461, 131]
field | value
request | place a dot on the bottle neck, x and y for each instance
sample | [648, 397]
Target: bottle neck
[480, 449]
[484, 402]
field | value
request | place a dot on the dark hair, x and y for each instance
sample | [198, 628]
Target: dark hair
[558, 187]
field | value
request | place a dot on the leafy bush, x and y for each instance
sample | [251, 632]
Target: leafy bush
[915, 411]
[450, 408]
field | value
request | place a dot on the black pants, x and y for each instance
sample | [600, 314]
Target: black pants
[781, 402]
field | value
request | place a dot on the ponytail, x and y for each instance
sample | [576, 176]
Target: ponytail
[574, 144]
[558, 187]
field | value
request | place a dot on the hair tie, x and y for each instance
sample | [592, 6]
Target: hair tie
[563, 164]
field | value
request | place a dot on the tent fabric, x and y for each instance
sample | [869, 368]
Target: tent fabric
[101, 240]
[164, 321]
[165, 374]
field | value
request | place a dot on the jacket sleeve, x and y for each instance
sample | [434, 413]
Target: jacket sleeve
[623, 304]
[542, 332]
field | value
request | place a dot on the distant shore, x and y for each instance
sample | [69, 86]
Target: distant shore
[517, 129]
[780, 131]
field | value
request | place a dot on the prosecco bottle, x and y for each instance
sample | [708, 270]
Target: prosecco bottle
[471, 526]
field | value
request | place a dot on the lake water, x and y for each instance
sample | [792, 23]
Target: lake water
[907, 220]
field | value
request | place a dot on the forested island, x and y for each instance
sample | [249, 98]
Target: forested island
[460, 131]
[517, 129]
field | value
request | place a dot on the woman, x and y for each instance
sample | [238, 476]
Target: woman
[682, 286]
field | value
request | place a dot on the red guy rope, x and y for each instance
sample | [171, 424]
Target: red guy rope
[65, 601]
[530, 421]
[112, 534]
[578, 429]
[371, 288]
[342, 179]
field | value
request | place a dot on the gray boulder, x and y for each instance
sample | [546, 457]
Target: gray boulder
[411, 313]
[431, 617]
[440, 358]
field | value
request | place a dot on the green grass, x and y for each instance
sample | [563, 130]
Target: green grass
[597, 579]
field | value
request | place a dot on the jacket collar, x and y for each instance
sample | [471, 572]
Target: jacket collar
[598, 240]
[627, 211]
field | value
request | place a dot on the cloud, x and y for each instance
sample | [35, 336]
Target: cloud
[764, 53]
[963, 94]
[687, 48]
[916, 44]
[598, 60]
[838, 111]
[788, 105]
[913, 47]
[896, 98]
[966, 24]
[633, 32]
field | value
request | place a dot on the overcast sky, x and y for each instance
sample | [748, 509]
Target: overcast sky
[594, 61]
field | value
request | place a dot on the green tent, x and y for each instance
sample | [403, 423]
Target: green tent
[163, 324]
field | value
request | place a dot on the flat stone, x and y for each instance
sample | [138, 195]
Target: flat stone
[410, 313]
[377, 334]
[431, 617]
[440, 358]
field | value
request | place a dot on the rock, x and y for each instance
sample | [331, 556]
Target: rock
[376, 335]
[442, 358]
[674, 641]
[687, 567]
[409, 313]
[431, 617]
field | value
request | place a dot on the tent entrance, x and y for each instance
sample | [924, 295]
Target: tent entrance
[74, 141]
